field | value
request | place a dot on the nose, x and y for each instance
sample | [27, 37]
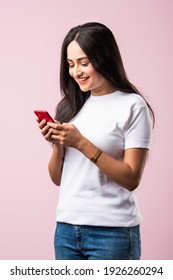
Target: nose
[77, 71]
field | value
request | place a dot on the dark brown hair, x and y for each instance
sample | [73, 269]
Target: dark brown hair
[98, 43]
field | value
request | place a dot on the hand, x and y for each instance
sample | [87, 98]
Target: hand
[67, 134]
[45, 131]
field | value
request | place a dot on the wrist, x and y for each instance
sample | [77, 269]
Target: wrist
[82, 144]
[95, 156]
[89, 150]
[58, 150]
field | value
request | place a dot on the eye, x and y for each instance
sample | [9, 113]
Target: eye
[71, 65]
[84, 64]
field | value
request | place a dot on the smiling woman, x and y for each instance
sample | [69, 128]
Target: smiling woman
[101, 139]
[81, 69]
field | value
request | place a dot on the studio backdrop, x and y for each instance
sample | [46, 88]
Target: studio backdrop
[31, 35]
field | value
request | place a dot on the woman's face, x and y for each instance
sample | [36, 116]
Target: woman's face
[84, 73]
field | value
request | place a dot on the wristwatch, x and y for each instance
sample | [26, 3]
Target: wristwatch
[95, 157]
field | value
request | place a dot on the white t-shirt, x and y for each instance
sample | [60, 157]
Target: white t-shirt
[113, 122]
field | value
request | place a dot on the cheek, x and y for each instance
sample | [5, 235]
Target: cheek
[99, 78]
[93, 73]
[70, 72]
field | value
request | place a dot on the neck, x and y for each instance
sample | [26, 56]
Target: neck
[103, 91]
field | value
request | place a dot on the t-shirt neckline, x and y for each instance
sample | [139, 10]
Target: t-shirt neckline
[104, 96]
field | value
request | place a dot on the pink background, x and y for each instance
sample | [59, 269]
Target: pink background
[31, 34]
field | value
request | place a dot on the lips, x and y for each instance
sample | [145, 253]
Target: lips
[83, 80]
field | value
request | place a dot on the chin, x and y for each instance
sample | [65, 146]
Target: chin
[84, 90]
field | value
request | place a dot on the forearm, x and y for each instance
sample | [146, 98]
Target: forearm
[56, 164]
[126, 173]
[118, 171]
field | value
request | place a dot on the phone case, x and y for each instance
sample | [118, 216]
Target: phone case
[43, 115]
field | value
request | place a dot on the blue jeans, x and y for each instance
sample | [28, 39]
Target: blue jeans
[73, 242]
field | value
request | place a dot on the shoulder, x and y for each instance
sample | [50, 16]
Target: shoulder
[132, 103]
[134, 109]
[132, 99]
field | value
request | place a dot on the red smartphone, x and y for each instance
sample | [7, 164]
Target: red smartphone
[43, 115]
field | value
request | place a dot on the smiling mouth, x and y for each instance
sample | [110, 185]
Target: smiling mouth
[83, 79]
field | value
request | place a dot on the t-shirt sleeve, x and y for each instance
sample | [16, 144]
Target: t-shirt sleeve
[139, 128]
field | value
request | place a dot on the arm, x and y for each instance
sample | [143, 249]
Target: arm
[56, 163]
[126, 173]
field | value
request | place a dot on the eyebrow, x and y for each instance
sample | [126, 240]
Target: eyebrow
[78, 59]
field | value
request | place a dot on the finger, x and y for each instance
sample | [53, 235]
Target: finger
[67, 125]
[48, 136]
[57, 126]
[42, 124]
[38, 120]
[55, 137]
[45, 130]
[49, 139]
[56, 131]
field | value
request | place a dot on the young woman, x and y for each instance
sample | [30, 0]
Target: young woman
[100, 142]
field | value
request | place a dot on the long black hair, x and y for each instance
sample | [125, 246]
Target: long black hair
[98, 43]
